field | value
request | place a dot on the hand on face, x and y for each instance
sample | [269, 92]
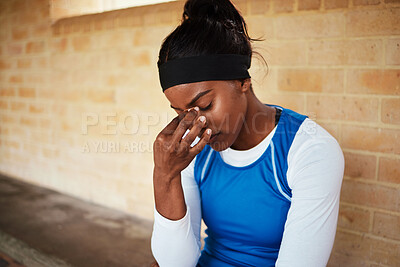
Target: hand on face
[172, 151]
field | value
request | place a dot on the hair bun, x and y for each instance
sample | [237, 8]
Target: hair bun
[211, 11]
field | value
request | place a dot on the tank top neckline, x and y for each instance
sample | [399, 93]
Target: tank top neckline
[263, 155]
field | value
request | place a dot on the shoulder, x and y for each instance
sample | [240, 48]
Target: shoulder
[312, 136]
[315, 151]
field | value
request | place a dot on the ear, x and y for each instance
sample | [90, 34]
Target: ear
[246, 85]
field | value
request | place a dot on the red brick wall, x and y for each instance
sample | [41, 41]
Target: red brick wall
[337, 61]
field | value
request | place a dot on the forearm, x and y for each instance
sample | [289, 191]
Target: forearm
[168, 195]
[174, 241]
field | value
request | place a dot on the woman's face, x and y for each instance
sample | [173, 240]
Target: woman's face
[223, 103]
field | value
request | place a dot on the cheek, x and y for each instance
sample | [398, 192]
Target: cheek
[223, 117]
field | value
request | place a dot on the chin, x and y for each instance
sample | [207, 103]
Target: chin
[219, 145]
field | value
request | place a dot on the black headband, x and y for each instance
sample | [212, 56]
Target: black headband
[203, 68]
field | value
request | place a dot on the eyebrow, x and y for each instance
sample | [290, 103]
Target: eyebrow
[195, 98]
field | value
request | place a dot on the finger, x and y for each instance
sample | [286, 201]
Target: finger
[202, 143]
[198, 125]
[183, 125]
[170, 128]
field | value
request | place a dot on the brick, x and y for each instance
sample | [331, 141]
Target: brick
[26, 92]
[241, 5]
[284, 53]
[3, 105]
[389, 170]
[29, 18]
[40, 62]
[292, 101]
[81, 43]
[20, 33]
[332, 4]
[393, 52]
[383, 252]
[360, 166]
[130, 21]
[344, 107]
[336, 259]
[37, 78]
[46, 93]
[5, 118]
[7, 92]
[370, 195]
[351, 245]
[72, 94]
[373, 81]
[35, 47]
[311, 80]
[357, 250]
[114, 39]
[309, 4]
[4, 8]
[390, 110]
[18, 106]
[258, 7]
[31, 149]
[370, 139]
[159, 15]
[12, 144]
[16, 79]
[386, 225]
[373, 22]
[28, 121]
[332, 128]
[128, 59]
[345, 52]
[354, 218]
[15, 49]
[260, 27]
[5, 64]
[366, 2]
[101, 96]
[50, 153]
[141, 58]
[18, 5]
[37, 108]
[282, 6]
[153, 36]
[118, 80]
[24, 63]
[310, 25]
[41, 30]
[392, 1]
[59, 45]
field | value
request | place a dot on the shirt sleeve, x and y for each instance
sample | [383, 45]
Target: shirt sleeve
[315, 174]
[177, 243]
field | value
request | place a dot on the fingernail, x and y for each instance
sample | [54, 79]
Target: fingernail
[196, 108]
[208, 131]
[202, 118]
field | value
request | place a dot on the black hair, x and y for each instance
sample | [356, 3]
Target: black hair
[208, 27]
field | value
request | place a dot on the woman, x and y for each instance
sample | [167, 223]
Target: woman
[265, 179]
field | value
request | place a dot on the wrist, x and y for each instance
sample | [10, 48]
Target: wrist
[165, 176]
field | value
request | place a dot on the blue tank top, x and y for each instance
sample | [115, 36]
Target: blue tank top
[245, 208]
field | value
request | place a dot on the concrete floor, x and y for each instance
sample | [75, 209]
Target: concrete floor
[41, 227]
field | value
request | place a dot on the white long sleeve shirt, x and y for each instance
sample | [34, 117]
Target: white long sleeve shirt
[315, 173]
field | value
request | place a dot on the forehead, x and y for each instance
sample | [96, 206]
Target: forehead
[184, 93]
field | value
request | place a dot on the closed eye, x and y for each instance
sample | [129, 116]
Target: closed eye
[208, 107]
